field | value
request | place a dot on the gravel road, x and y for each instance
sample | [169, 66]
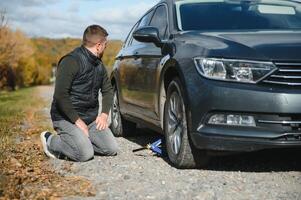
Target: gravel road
[273, 174]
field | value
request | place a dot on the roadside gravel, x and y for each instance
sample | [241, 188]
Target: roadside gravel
[274, 174]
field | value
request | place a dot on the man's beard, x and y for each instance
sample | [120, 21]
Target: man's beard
[100, 55]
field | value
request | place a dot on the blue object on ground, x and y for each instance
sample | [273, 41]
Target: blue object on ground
[155, 147]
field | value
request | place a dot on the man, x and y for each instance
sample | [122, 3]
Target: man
[74, 110]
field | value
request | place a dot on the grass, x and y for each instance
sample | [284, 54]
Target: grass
[25, 171]
[13, 109]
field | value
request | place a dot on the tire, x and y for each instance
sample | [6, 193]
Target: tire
[119, 126]
[180, 148]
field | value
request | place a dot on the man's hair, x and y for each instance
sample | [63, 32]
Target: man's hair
[94, 34]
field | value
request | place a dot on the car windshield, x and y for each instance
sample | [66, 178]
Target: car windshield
[213, 15]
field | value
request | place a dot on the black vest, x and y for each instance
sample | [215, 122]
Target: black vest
[85, 87]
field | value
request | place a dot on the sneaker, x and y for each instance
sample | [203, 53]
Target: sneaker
[44, 137]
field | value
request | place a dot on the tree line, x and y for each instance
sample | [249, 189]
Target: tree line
[28, 61]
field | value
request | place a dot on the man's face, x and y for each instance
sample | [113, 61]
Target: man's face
[100, 47]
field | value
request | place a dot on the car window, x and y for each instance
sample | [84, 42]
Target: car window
[159, 21]
[129, 37]
[227, 15]
[146, 19]
[143, 22]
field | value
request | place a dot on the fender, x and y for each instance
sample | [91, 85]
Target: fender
[166, 63]
[114, 75]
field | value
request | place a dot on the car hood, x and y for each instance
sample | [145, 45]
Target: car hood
[260, 45]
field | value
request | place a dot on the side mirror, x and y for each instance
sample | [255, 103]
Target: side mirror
[148, 34]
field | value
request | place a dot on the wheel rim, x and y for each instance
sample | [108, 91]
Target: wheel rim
[115, 112]
[175, 121]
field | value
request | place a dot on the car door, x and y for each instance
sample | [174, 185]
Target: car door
[130, 75]
[149, 57]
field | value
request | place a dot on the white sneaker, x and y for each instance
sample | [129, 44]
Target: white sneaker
[44, 137]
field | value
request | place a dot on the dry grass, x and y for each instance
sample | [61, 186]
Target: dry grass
[13, 108]
[25, 172]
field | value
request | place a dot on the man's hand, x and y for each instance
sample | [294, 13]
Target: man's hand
[102, 121]
[82, 125]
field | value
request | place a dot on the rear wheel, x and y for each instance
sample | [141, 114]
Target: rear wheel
[119, 126]
[180, 149]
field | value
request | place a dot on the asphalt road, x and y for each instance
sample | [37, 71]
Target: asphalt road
[273, 174]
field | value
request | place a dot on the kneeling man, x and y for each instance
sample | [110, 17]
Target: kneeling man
[74, 110]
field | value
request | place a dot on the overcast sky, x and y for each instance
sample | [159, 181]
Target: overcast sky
[69, 18]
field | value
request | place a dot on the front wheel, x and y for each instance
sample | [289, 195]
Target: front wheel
[180, 149]
[119, 126]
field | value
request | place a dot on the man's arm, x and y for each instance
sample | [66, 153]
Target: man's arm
[107, 93]
[107, 97]
[65, 74]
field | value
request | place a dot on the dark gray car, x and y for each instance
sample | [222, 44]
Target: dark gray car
[218, 75]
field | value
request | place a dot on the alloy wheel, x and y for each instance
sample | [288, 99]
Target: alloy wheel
[115, 112]
[175, 122]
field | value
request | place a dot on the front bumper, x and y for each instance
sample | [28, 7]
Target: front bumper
[220, 142]
[277, 112]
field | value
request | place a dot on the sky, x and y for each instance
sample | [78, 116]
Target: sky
[69, 18]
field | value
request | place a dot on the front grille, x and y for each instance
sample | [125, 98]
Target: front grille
[281, 122]
[286, 74]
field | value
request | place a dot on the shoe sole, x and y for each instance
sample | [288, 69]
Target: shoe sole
[44, 144]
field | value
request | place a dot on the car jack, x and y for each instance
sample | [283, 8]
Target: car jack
[155, 147]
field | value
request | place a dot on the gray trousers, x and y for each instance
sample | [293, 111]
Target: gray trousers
[74, 144]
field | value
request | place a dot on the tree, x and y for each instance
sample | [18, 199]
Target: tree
[14, 47]
[29, 61]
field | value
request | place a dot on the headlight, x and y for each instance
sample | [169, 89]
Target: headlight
[234, 70]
